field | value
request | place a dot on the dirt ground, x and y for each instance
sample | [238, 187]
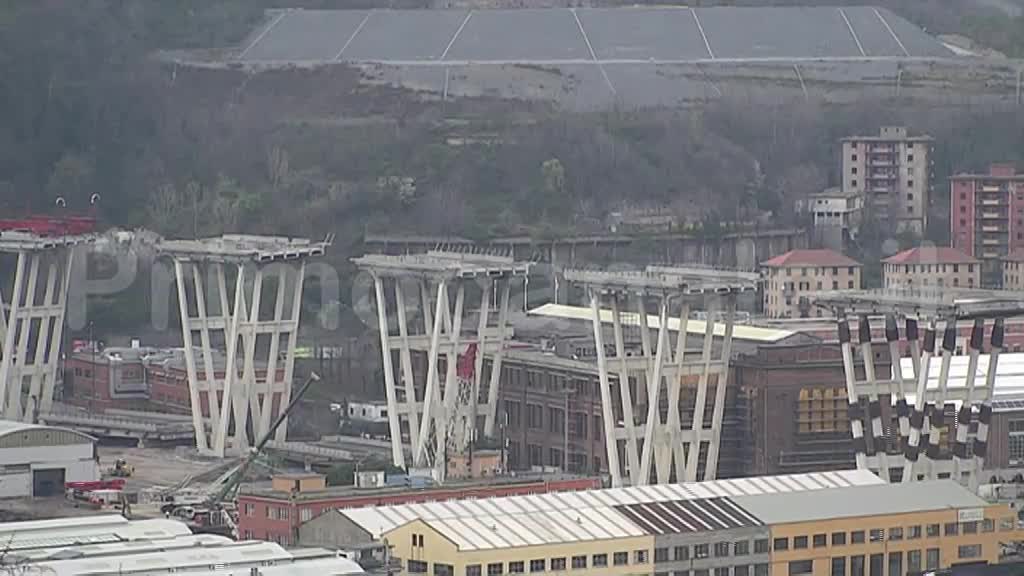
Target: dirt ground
[156, 466]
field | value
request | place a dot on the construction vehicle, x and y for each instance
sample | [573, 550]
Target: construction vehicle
[218, 513]
[121, 469]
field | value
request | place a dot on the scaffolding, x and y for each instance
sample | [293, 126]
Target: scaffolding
[921, 412]
[440, 415]
[647, 439]
[32, 308]
[228, 401]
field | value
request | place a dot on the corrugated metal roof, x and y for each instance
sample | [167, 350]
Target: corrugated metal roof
[566, 517]
[1009, 374]
[678, 516]
[859, 501]
[740, 331]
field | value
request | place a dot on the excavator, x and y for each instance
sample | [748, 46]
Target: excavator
[217, 513]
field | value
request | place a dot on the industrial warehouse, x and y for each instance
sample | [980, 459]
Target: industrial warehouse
[111, 544]
[828, 523]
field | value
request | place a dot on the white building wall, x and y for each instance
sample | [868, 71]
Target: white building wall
[76, 460]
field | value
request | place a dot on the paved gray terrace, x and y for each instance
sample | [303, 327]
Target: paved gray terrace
[602, 36]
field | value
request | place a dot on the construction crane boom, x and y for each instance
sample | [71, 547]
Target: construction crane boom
[231, 485]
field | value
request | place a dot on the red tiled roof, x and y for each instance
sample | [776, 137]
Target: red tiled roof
[931, 255]
[810, 258]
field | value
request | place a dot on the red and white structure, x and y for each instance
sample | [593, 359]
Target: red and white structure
[646, 440]
[438, 412]
[32, 308]
[258, 268]
[927, 408]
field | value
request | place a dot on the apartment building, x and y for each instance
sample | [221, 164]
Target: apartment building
[835, 215]
[892, 172]
[987, 213]
[818, 524]
[930, 267]
[794, 277]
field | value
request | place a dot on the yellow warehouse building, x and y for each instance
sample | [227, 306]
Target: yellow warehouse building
[845, 523]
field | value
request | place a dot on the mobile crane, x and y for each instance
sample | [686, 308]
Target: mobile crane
[213, 515]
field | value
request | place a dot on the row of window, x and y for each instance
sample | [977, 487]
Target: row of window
[818, 271]
[580, 562]
[894, 534]
[720, 549]
[876, 564]
[742, 570]
[420, 567]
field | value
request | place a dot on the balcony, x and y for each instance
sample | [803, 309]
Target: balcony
[993, 229]
[991, 189]
[991, 241]
[991, 202]
[993, 215]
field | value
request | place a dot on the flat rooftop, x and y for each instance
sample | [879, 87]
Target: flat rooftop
[695, 327]
[944, 303]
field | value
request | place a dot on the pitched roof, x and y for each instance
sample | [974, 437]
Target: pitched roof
[931, 255]
[810, 258]
[855, 501]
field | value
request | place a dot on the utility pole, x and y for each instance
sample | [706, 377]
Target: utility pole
[565, 434]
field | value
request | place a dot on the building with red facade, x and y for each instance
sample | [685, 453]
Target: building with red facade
[276, 515]
[987, 213]
[138, 379]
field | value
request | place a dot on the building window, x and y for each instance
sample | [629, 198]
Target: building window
[988, 525]
[721, 549]
[857, 537]
[970, 527]
[876, 564]
[681, 553]
[853, 183]
[910, 157]
[895, 533]
[599, 560]
[780, 544]
[741, 548]
[910, 184]
[933, 531]
[838, 566]
[971, 551]
[701, 551]
[913, 561]
[853, 170]
[305, 515]
[579, 562]
[760, 570]
[951, 529]
[914, 532]
[910, 197]
[721, 571]
[853, 157]
[895, 562]
[801, 567]
[449, 570]
[799, 542]
[538, 565]
[820, 540]
[557, 564]
[931, 559]
[849, 284]
[416, 567]
[660, 555]
[534, 416]
[514, 567]
[839, 538]
[856, 565]
[495, 569]
[741, 570]
[618, 559]
[761, 546]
